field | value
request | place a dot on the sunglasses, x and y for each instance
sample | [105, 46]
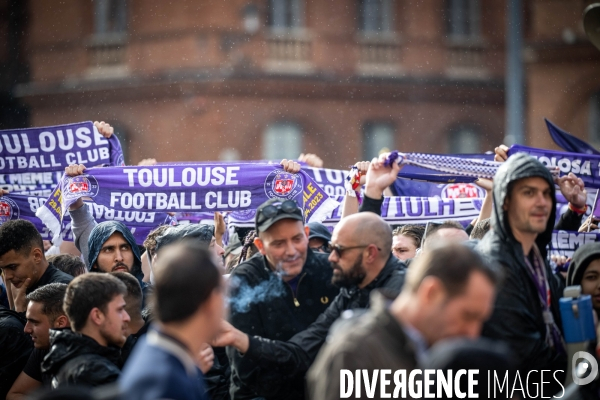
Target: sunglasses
[270, 211]
[339, 250]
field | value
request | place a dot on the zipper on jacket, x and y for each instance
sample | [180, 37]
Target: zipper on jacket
[296, 302]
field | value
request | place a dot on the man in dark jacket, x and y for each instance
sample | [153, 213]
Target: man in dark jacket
[106, 247]
[89, 353]
[526, 313]
[23, 262]
[275, 295]
[133, 305]
[44, 312]
[362, 262]
[15, 348]
[188, 304]
[449, 292]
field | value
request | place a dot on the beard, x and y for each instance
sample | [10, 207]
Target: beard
[350, 278]
[114, 339]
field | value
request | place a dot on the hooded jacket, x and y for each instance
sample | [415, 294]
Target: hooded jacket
[581, 260]
[517, 318]
[76, 359]
[100, 234]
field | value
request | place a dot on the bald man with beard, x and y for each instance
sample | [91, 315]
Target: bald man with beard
[362, 261]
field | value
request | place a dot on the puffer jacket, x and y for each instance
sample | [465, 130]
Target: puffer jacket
[76, 359]
[517, 318]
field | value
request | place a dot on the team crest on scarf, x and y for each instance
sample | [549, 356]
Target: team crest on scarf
[8, 210]
[281, 184]
[462, 191]
[82, 185]
[243, 215]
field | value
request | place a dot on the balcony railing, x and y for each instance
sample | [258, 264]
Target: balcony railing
[379, 55]
[107, 56]
[289, 51]
[466, 59]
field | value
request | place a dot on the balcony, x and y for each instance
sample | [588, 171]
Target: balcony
[107, 56]
[379, 55]
[289, 52]
[465, 59]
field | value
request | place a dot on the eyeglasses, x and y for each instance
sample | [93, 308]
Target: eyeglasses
[288, 207]
[321, 249]
[339, 250]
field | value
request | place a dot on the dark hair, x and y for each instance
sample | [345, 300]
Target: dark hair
[134, 295]
[51, 297]
[150, 242]
[184, 277]
[452, 264]
[415, 232]
[19, 235]
[89, 291]
[481, 228]
[68, 264]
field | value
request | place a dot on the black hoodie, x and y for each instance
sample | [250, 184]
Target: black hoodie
[76, 359]
[517, 318]
[581, 259]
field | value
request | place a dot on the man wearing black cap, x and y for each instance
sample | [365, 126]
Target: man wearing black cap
[275, 295]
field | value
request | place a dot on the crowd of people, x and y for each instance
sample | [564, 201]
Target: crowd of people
[285, 306]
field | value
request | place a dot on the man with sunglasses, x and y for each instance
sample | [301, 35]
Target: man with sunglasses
[276, 294]
[362, 261]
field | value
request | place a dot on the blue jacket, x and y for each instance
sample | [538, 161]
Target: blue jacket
[161, 368]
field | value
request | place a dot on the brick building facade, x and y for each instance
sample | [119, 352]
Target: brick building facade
[252, 79]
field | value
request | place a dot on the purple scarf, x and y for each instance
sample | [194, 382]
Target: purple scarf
[186, 188]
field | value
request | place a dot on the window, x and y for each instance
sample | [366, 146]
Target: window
[282, 140]
[463, 18]
[286, 14]
[376, 16]
[377, 136]
[464, 141]
[110, 17]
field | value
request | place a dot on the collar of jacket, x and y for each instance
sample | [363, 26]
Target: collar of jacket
[66, 345]
[174, 347]
[311, 259]
[380, 304]
[390, 266]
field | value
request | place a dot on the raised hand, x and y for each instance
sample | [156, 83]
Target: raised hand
[379, 177]
[105, 129]
[573, 189]
[290, 166]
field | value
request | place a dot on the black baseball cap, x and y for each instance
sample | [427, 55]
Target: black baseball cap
[274, 210]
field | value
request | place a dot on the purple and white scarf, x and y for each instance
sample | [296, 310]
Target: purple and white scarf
[19, 206]
[186, 188]
[52, 148]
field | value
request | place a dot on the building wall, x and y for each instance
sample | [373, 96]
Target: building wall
[563, 70]
[192, 82]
